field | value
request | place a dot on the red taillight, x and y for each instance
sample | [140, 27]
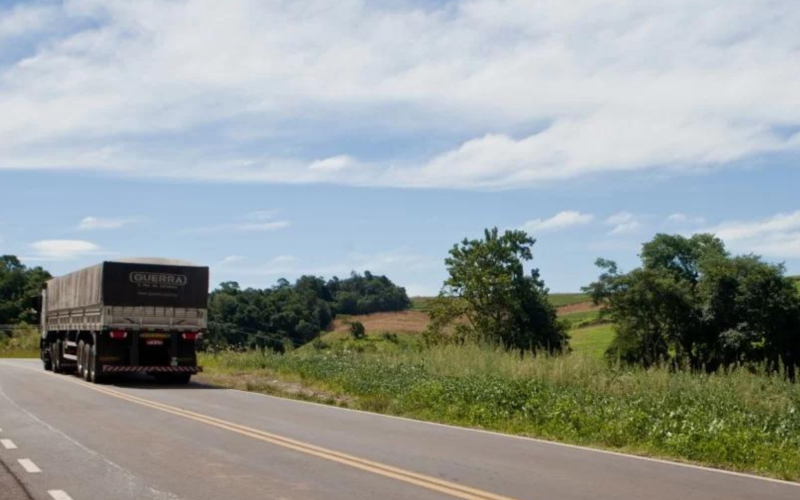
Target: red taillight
[118, 334]
[191, 335]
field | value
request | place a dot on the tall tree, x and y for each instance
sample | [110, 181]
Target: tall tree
[691, 303]
[19, 287]
[489, 296]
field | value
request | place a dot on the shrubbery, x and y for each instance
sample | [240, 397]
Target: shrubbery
[295, 313]
[734, 420]
[692, 304]
[367, 294]
[20, 287]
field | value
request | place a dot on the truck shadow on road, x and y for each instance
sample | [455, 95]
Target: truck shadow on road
[147, 382]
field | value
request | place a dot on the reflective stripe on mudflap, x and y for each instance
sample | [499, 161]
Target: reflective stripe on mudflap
[151, 369]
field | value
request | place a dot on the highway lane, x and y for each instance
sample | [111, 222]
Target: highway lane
[142, 440]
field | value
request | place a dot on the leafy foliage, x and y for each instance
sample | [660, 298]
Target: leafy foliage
[691, 303]
[489, 297]
[295, 313]
[367, 294]
[20, 286]
[269, 317]
[357, 330]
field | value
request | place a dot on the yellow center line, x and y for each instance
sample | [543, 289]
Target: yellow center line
[421, 480]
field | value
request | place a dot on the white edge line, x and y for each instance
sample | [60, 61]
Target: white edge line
[500, 434]
[29, 466]
[124, 472]
[8, 444]
[59, 495]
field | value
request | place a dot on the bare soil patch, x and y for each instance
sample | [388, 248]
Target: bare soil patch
[580, 307]
[394, 322]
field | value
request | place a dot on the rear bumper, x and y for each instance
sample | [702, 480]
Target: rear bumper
[151, 369]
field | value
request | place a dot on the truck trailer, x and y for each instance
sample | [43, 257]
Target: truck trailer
[125, 316]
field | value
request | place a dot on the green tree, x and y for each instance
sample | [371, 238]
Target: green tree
[691, 303]
[20, 286]
[489, 296]
[366, 294]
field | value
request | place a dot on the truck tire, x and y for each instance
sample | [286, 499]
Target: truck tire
[80, 358]
[55, 355]
[95, 376]
[87, 352]
[47, 361]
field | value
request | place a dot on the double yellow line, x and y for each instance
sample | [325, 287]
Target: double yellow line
[423, 481]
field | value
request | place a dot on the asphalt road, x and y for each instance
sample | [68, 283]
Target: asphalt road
[139, 440]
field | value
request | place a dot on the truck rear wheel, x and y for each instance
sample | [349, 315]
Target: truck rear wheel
[55, 355]
[87, 352]
[80, 358]
[94, 367]
[46, 360]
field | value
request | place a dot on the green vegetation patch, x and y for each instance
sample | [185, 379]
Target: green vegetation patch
[592, 341]
[22, 342]
[581, 319]
[733, 420]
[421, 303]
[566, 299]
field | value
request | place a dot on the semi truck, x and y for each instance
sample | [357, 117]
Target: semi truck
[125, 316]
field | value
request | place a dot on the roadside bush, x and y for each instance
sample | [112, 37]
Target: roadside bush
[734, 419]
[357, 330]
[691, 304]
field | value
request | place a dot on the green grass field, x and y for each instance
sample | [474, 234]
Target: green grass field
[591, 341]
[421, 303]
[580, 319]
[566, 299]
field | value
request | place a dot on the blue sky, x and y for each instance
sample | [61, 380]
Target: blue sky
[273, 139]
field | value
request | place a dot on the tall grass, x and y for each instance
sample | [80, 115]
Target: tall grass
[22, 342]
[735, 420]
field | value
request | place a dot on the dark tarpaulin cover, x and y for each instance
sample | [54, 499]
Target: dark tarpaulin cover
[129, 284]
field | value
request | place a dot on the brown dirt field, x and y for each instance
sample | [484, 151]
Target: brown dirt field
[394, 322]
[581, 307]
[417, 321]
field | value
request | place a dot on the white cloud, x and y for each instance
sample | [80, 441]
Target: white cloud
[624, 223]
[263, 215]
[93, 223]
[561, 220]
[683, 219]
[63, 249]
[600, 85]
[259, 221]
[289, 266]
[25, 20]
[775, 236]
[332, 164]
[259, 226]
[230, 259]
